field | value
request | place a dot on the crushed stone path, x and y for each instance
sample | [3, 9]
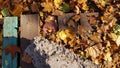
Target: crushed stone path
[47, 54]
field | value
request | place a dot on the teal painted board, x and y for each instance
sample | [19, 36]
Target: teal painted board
[10, 26]
[9, 38]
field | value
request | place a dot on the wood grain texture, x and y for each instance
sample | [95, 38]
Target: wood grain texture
[29, 26]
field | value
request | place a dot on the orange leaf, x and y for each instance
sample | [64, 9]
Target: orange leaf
[12, 49]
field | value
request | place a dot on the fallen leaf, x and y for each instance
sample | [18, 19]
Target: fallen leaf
[48, 6]
[95, 37]
[66, 35]
[34, 7]
[1, 16]
[116, 29]
[71, 23]
[118, 41]
[83, 4]
[107, 56]
[12, 50]
[93, 52]
[5, 12]
[58, 3]
[92, 19]
[76, 18]
[17, 10]
[113, 36]
[50, 25]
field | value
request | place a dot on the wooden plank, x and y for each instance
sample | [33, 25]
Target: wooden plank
[29, 26]
[9, 38]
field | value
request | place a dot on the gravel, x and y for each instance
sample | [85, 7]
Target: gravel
[47, 54]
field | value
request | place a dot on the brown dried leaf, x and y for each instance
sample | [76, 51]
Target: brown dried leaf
[12, 49]
[95, 37]
[17, 10]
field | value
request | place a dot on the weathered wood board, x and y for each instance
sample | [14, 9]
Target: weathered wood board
[9, 38]
[29, 26]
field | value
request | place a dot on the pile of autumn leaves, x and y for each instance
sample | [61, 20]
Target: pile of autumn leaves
[102, 45]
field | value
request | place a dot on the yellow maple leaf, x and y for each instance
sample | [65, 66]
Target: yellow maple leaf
[48, 6]
[58, 3]
[66, 35]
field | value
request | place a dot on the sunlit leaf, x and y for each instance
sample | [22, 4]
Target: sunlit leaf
[118, 41]
[107, 56]
[113, 36]
[93, 51]
[66, 35]
[48, 6]
[58, 3]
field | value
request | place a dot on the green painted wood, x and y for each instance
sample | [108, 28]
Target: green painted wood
[9, 38]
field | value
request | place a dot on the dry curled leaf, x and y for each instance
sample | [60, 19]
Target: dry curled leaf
[12, 50]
